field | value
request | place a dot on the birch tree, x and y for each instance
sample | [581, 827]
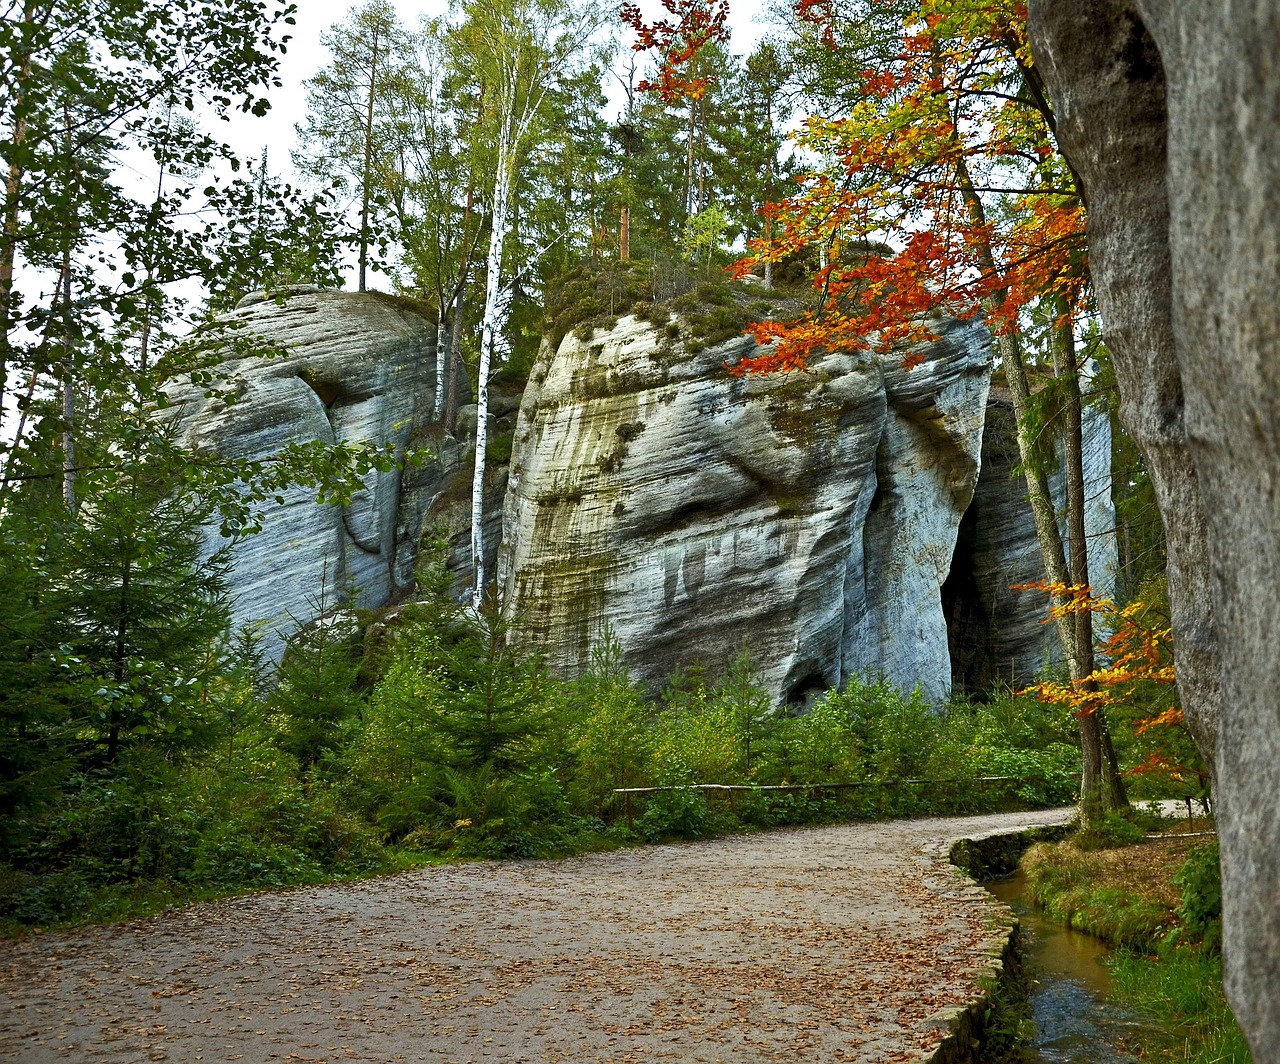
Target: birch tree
[524, 49]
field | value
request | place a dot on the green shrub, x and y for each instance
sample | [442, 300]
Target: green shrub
[680, 812]
[1111, 831]
[1200, 880]
[610, 735]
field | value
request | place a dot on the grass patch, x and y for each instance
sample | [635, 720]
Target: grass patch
[1183, 987]
[1125, 896]
[1159, 902]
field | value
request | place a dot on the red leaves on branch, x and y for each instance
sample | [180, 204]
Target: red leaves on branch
[943, 192]
[694, 24]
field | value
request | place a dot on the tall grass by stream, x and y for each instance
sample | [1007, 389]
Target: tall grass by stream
[1158, 900]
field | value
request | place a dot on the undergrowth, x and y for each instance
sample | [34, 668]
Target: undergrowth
[1159, 902]
[463, 748]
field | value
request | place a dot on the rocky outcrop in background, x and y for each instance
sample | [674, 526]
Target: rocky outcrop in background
[997, 633]
[857, 518]
[1170, 113]
[812, 516]
[345, 368]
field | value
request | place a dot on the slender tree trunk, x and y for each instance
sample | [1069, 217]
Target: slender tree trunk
[442, 353]
[68, 350]
[450, 412]
[688, 162]
[624, 234]
[1097, 794]
[1107, 785]
[12, 202]
[68, 390]
[490, 331]
[366, 175]
[768, 188]
[451, 391]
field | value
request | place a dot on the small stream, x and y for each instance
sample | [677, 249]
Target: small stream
[1069, 988]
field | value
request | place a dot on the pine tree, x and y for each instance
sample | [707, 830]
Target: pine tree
[349, 133]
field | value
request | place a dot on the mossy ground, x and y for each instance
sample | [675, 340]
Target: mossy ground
[694, 308]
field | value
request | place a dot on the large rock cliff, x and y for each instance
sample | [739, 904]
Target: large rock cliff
[1170, 113]
[835, 520]
[340, 368]
[812, 515]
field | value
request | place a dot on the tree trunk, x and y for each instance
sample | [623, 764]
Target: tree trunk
[624, 234]
[688, 162]
[68, 390]
[768, 263]
[442, 349]
[451, 390]
[1101, 789]
[490, 331]
[366, 175]
[12, 203]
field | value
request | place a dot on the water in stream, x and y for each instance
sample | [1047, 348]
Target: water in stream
[1074, 1020]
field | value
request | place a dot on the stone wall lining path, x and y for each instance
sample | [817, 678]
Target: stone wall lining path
[853, 942]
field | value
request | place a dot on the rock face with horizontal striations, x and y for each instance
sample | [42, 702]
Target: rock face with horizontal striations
[812, 516]
[1170, 113]
[348, 368]
[998, 634]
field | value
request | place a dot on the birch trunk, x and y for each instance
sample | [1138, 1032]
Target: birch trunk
[490, 330]
[443, 341]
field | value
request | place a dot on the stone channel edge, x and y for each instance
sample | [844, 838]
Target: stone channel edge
[958, 869]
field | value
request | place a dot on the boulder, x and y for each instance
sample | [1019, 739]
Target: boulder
[1170, 113]
[811, 516]
[333, 367]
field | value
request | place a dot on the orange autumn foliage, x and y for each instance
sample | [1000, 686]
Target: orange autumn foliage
[950, 119]
[1135, 654]
[677, 41]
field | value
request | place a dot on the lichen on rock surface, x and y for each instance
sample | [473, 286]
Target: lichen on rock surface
[810, 515]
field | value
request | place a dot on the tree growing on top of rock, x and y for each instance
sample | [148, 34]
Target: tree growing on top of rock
[350, 131]
[683, 73]
[524, 50]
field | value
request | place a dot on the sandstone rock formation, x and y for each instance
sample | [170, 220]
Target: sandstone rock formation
[1170, 113]
[998, 635]
[812, 515]
[349, 368]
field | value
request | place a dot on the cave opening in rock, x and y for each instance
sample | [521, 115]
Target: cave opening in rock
[328, 392]
[803, 692]
[968, 616]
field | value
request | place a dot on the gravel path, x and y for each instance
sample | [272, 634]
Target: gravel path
[830, 944]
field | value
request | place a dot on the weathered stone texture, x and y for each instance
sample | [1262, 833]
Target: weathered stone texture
[998, 634]
[349, 368]
[811, 515]
[1170, 112]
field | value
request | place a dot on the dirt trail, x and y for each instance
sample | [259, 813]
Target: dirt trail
[828, 944]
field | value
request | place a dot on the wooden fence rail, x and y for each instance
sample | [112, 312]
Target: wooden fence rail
[733, 788]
